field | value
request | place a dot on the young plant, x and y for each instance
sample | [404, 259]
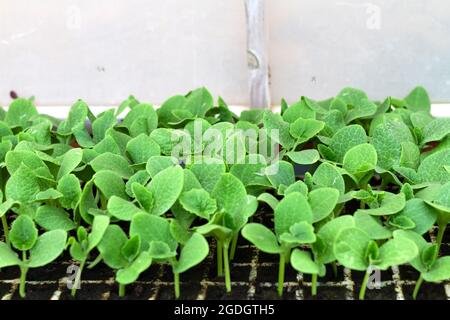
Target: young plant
[293, 219]
[354, 249]
[84, 243]
[322, 250]
[234, 208]
[36, 251]
[161, 246]
[124, 255]
[432, 268]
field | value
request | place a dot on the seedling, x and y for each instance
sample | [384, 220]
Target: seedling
[293, 217]
[84, 243]
[37, 250]
[354, 249]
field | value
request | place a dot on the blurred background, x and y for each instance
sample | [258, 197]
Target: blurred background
[104, 50]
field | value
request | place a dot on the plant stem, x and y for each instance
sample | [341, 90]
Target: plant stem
[362, 205]
[5, 229]
[281, 274]
[227, 267]
[233, 246]
[440, 235]
[76, 284]
[95, 262]
[334, 267]
[176, 277]
[417, 287]
[219, 258]
[314, 284]
[362, 291]
[23, 276]
[121, 290]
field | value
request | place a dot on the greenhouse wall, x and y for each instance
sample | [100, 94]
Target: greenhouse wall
[102, 51]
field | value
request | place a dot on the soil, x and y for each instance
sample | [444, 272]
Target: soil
[202, 281]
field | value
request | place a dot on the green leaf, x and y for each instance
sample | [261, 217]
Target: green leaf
[280, 172]
[15, 158]
[48, 247]
[49, 194]
[422, 214]
[263, 238]
[152, 228]
[77, 115]
[70, 161]
[432, 168]
[299, 233]
[198, 202]
[53, 218]
[410, 155]
[292, 209]
[274, 121]
[112, 162]
[309, 156]
[208, 172]
[269, 199]
[131, 248]
[297, 110]
[390, 204]
[401, 222]
[140, 177]
[20, 112]
[346, 138]
[327, 175]
[436, 130]
[142, 110]
[305, 129]
[199, 101]
[69, 186]
[166, 187]
[110, 184]
[421, 245]
[193, 252]
[7, 256]
[6, 206]
[157, 164]
[297, 186]
[122, 209]
[108, 144]
[99, 225]
[397, 251]
[322, 202]
[351, 96]
[130, 273]
[418, 100]
[103, 122]
[113, 238]
[360, 159]
[302, 262]
[387, 139]
[23, 234]
[364, 108]
[231, 197]
[22, 186]
[143, 196]
[159, 250]
[371, 225]
[350, 248]
[440, 270]
[142, 148]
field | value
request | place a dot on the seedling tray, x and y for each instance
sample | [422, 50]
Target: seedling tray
[253, 276]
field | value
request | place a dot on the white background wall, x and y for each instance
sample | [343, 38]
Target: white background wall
[103, 50]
